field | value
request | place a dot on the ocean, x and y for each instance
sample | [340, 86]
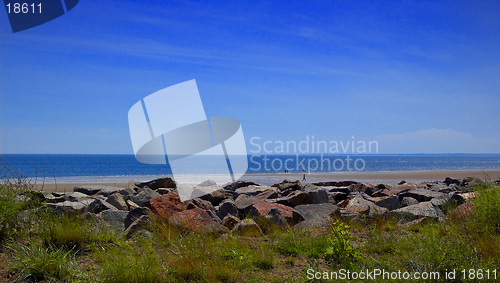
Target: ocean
[114, 168]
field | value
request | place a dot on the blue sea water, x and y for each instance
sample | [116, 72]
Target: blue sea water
[87, 166]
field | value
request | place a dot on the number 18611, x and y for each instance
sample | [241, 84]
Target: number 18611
[24, 8]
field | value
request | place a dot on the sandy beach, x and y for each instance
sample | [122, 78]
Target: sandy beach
[269, 179]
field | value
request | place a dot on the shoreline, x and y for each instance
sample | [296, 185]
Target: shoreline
[66, 184]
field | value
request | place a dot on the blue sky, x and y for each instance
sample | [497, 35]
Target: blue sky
[417, 76]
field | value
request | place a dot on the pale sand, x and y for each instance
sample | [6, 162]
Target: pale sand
[269, 179]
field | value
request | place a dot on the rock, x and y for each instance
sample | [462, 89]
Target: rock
[268, 194]
[207, 183]
[199, 192]
[335, 184]
[127, 193]
[215, 197]
[117, 201]
[318, 196]
[339, 196]
[359, 205]
[449, 181]
[421, 195]
[131, 204]
[197, 219]
[247, 227]
[99, 205]
[363, 188]
[51, 198]
[323, 212]
[198, 202]
[402, 182]
[87, 190]
[262, 208]
[69, 207]
[166, 205]
[230, 221]
[275, 217]
[134, 214]
[239, 184]
[244, 202]
[294, 199]
[415, 211]
[107, 190]
[139, 224]
[227, 207]
[213, 215]
[287, 185]
[158, 183]
[114, 219]
[407, 201]
[144, 195]
[251, 190]
[344, 190]
[75, 196]
[389, 202]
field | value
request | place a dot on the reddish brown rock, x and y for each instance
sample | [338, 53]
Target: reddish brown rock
[197, 219]
[166, 205]
[262, 208]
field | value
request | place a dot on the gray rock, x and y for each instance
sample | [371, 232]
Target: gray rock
[275, 217]
[135, 214]
[144, 195]
[215, 195]
[361, 206]
[415, 211]
[421, 194]
[99, 205]
[214, 215]
[204, 204]
[268, 194]
[97, 189]
[323, 211]
[117, 201]
[227, 207]
[318, 196]
[114, 219]
[107, 191]
[244, 202]
[75, 196]
[141, 223]
[69, 207]
[294, 199]
[247, 227]
[407, 201]
[158, 183]
[127, 193]
[389, 202]
[51, 198]
[252, 190]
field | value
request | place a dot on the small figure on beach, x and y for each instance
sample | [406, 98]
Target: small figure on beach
[304, 177]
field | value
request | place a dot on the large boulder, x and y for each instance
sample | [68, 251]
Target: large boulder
[323, 211]
[244, 202]
[158, 183]
[252, 190]
[361, 206]
[134, 214]
[215, 196]
[318, 196]
[144, 195]
[198, 202]
[197, 219]
[288, 185]
[239, 184]
[114, 219]
[141, 223]
[117, 200]
[275, 217]
[69, 207]
[294, 199]
[166, 205]
[230, 221]
[75, 196]
[99, 205]
[389, 202]
[227, 207]
[422, 209]
[262, 208]
[421, 195]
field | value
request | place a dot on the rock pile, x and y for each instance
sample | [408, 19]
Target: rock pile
[232, 207]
